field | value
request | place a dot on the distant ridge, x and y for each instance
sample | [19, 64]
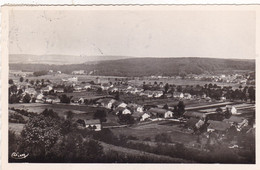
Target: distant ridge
[148, 66]
[59, 59]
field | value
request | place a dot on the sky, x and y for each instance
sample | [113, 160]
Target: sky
[135, 33]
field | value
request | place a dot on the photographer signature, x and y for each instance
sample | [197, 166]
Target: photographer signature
[17, 155]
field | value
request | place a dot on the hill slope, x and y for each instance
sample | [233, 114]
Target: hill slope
[149, 66]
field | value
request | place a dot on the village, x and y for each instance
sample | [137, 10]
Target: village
[216, 114]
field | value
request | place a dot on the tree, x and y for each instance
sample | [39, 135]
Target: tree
[181, 108]
[13, 89]
[32, 82]
[101, 115]
[40, 134]
[37, 81]
[179, 88]
[166, 106]
[166, 88]
[11, 81]
[219, 110]
[40, 73]
[21, 79]
[26, 98]
[126, 119]
[65, 99]
[251, 92]
[117, 95]
[14, 98]
[68, 89]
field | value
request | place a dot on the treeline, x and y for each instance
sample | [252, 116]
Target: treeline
[148, 66]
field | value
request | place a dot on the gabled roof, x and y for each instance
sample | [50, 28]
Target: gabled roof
[105, 100]
[192, 122]
[92, 121]
[218, 125]
[157, 110]
[235, 119]
[137, 114]
[194, 114]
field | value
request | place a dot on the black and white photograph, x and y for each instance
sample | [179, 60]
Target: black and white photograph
[131, 84]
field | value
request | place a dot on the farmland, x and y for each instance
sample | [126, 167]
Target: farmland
[142, 117]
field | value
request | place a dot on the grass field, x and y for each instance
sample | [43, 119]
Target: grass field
[81, 111]
[152, 129]
[57, 78]
[16, 127]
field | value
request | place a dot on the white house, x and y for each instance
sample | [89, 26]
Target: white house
[157, 94]
[187, 96]
[168, 114]
[93, 124]
[87, 86]
[46, 89]
[107, 102]
[30, 91]
[145, 116]
[106, 86]
[123, 105]
[178, 95]
[121, 110]
[126, 111]
[238, 122]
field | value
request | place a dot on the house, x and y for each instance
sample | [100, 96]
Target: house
[87, 86]
[157, 94]
[77, 99]
[113, 89]
[106, 86]
[168, 114]
[191, 123]
[121, 110]
[208, 99]
[122, 104]
[187, 96]
[232, 109]
[135, 90]
[46, 89]
[39, 98]
[135, 107]
[51, 99]
[179, 95]
[203, 96]
[223, 98]
[163, 113]
[147, 93]
[106, 102]
[59, 90]
[218, 126]
[30, 91]
[145, 116]
[238, 122]
[137, 115]
[93, 124]
[77, 88]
